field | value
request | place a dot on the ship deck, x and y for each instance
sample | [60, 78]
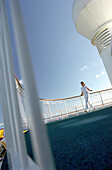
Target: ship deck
[82, 142]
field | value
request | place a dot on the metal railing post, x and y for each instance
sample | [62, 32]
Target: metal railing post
[65, 107]
[50, 113]
[101, 99]
[41, 146]
[82, 103]
[78, 98]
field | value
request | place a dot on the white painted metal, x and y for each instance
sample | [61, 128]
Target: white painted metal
[77, 7]
[5, 110]
[10, 68]
[93, 19]
[82, 103]
[50, 113]
[32, 164]
[12, 130]
[111, 45]
[40, 142]
[102, 39]
[101, 99]
[107, 60]
[65, 107]
[91, 14]
[9, 102]
[75, 105]
[6, 118]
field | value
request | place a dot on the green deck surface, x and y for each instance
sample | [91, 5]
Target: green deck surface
[82, 143]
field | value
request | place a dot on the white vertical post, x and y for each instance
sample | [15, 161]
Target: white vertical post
[12, 130]
[39, 138]
[10, 70]
[111, 44]
[9, 102]
[6, 118]
[82, 103]
[50, 113]
[65, 107]
[101, 99]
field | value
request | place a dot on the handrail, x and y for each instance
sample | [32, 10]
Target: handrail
[18, 82]
[69, 106]
[73, 96]
[41, 99]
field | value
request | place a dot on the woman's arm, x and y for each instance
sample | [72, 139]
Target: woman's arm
[82, 93]
[88, 89]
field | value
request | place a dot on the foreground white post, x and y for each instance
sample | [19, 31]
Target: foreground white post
[40, 142]
[14, 149]
[10, 70]
[6, 118]
[8, 96]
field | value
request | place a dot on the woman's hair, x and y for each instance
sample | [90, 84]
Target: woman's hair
[82, 82]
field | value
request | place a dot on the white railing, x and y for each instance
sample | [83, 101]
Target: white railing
[55, 109]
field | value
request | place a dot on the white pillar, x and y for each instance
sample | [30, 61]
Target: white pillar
[107, 61]
[20, 143]
[13, 150]
[6, 118]
[40, 142]
[9, 102]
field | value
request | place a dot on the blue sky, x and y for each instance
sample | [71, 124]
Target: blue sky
[61, 57]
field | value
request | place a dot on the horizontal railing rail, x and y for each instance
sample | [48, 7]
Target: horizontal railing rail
[54, 109]
[73, 96]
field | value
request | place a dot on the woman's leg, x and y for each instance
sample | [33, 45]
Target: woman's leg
[91, 106]
[86, 103]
